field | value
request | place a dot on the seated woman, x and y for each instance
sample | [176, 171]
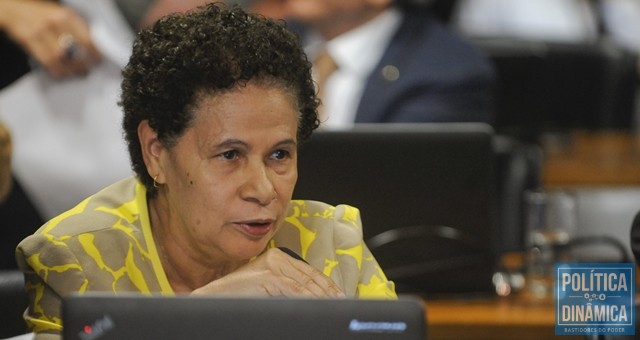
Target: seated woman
[216, 103]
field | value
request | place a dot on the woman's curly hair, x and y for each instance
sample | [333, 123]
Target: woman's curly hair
[212, 49]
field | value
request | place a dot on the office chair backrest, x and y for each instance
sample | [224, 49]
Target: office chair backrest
[13, 303]
[426, 196]
[518, 169]
[553, 87]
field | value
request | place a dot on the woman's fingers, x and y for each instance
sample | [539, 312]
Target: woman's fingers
[311, 279]
[275, 273]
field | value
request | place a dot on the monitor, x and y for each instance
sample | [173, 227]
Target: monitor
[137, 316]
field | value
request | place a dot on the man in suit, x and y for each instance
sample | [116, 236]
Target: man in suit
[394, 62]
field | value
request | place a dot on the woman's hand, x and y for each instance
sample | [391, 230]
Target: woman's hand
[274, 273]
[55, 35]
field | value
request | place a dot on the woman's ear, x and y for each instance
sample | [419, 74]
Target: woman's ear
[151, 151]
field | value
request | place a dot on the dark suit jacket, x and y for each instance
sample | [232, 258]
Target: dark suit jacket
[432, 75]
[13, 61]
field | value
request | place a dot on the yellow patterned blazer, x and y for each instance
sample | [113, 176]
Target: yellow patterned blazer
[105, 244]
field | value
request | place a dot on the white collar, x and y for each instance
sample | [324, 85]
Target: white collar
[356, 51]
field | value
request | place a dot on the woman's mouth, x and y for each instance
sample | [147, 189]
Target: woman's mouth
[256, 228]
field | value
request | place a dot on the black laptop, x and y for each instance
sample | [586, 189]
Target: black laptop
[108, 316]
[426, 195]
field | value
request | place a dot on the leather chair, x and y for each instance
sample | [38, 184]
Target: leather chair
[518, 168]
[554, 87]
[14, 301]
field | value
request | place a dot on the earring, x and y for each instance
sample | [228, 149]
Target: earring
[155, 184]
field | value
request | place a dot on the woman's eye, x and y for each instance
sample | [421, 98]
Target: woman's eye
[231, 154]
[280, 154]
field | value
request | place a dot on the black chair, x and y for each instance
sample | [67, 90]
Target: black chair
[554, 87]
[450, 253]
[518, 169]
[19, 220]
[426, 193]
[441, 261]
[14, 302]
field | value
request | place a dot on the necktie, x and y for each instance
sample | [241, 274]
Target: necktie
[323, 67]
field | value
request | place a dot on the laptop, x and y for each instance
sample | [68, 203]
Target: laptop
[136, 316]
[426, 194]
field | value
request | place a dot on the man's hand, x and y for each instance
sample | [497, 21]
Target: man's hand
[54, 35]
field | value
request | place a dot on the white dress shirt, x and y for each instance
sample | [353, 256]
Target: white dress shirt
[356, 53]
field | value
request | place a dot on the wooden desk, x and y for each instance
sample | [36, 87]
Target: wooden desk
[491, 318]
[592, 158]
[581, 158]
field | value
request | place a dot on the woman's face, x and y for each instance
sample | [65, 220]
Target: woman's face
[228, 181]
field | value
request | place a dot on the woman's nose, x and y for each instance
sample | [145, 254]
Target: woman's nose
[258, 187]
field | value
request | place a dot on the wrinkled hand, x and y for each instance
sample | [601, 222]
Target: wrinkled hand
[274, 273]
[55, 35]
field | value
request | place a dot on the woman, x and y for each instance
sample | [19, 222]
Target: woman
[215, 105]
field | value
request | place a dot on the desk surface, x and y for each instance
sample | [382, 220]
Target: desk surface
[580, 158]
[592, 158]
[491, 318]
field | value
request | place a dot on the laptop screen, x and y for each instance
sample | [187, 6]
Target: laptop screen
[425, 194]
[107, 316]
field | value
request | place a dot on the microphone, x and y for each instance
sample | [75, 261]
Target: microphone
[293, 254]
[635, 237]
